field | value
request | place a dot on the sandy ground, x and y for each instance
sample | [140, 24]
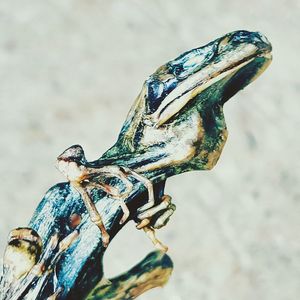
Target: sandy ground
[69, 71]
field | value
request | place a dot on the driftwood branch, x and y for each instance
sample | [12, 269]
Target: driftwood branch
[175, 125]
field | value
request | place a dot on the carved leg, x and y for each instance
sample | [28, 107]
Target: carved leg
[147, 183]
[108, 190]
[93, 212]
[122, 173]
[112, 171]
[150, 232]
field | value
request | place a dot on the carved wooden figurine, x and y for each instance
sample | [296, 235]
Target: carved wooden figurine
[175, 125]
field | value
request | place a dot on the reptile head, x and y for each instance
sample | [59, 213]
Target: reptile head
[220, 69]
[177, 121]
[237, 57]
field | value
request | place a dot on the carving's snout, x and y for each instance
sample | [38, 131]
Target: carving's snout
[188, 76]
[255, 38]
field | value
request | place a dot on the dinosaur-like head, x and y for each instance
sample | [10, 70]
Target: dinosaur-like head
[202, 77]
[236, 58]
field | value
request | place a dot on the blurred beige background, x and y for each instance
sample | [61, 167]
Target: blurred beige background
[69, 72]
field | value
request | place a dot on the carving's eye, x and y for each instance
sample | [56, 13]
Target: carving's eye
[157, 91]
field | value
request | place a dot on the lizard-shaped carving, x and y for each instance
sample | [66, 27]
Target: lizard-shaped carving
[175, 125]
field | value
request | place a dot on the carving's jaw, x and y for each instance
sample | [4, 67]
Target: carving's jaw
[199, 69]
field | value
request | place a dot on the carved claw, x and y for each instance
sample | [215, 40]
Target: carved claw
[157, 216]
[162, 220]
[150, 232]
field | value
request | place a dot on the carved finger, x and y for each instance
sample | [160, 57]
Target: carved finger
[126, 211]
[164, 218]
[152, 211]
[150, 232]
[143, 224]
[147, 183]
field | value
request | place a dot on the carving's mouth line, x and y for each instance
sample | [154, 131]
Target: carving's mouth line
[203, 79]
